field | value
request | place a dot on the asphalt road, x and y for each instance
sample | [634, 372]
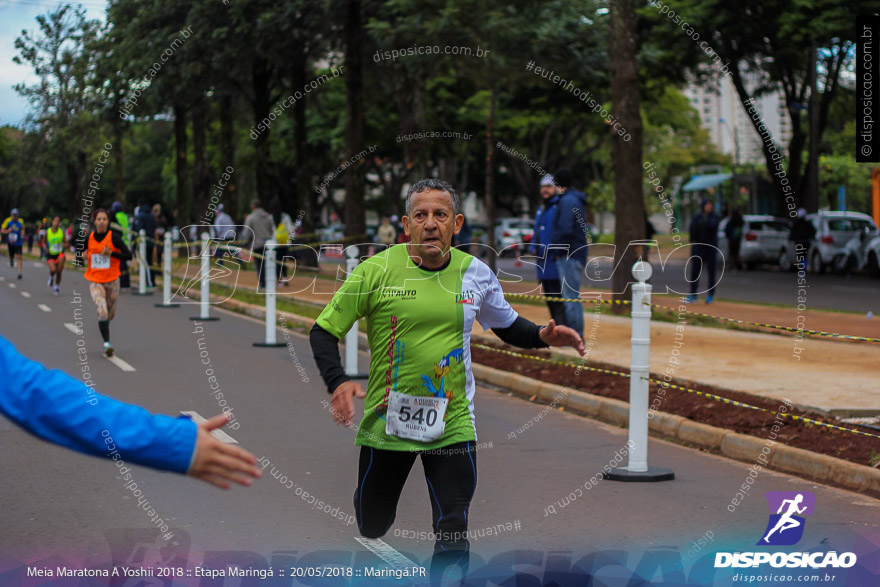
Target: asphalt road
[57, 505]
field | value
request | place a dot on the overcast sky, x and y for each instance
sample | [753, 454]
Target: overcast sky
[16, 15]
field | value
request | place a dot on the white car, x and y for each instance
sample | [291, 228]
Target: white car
[833, 230]
[513, 231]
[762, 239]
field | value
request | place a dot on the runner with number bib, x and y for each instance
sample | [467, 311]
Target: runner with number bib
[13, 229]
[420, 300]
[55, 240]
[105, 250]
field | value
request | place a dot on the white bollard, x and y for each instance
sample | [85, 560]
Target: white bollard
[143, 265]
[205, 272]
[351, 337]
[640, 367]
[166, 274]
[270, 279]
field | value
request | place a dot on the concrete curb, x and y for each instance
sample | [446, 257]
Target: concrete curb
[741, 447]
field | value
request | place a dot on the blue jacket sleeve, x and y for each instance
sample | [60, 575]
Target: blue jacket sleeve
[56, 407]
[564, 222]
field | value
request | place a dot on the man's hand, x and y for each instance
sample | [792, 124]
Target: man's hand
[561, 336]
[342, 402]
[105, 250]
[216, 461]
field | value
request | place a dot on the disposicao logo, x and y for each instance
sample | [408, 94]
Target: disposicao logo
[786, 524]
[785, 527]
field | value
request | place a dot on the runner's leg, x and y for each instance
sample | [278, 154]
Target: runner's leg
[451, 475]
[99, 297]
[381, 477]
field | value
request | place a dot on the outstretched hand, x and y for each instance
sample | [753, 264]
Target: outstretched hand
[219, 462]
[561, 336]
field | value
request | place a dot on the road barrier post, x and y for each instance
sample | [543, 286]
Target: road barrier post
[640, 367]
[143, 265]
[271, 279]
[205, 270]
[351, 337]
[166, 274]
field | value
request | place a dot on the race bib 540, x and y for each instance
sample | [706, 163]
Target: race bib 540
[415, 417]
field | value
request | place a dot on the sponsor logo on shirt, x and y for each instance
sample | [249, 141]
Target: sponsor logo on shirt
[465, 297]
[398, 293]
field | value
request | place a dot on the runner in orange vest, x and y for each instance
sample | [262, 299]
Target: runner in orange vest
[105, 251]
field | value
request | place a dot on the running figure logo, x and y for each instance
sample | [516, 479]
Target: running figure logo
[786, 526]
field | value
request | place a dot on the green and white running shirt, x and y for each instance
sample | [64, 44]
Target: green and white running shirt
[419, 326]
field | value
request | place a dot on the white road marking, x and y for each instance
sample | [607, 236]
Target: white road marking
[25, 294]
[2, 278]
[218, 434]
[388, 554]
[120, 363]
[37, 265]
[12, 285]
[73, 328]
[44, 308]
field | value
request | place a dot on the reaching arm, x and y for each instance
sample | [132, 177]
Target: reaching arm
[522, 333]
[56, 407]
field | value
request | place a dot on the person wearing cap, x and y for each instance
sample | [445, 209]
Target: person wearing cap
[802, 234]
[704, 238]
[568, 246]
[13, 230]
[548, 273]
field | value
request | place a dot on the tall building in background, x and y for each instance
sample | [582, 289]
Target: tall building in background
[723, 115]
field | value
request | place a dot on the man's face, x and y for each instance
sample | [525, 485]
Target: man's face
[548, 191]
[431, 223]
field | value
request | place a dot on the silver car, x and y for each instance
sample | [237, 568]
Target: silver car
[513, 231]
[833, 230]
[762, 240]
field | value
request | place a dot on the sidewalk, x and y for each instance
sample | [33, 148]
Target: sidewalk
[832, 376]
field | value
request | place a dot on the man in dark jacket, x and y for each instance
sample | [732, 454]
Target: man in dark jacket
[704, 237]
[548, 274]
[147, 222]
[802, 233]
[569, 246]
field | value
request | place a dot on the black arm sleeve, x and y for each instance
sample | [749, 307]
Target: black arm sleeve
[522, 333]
[124, 254]
[325, 348]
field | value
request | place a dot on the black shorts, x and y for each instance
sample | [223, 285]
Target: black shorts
[14, 249]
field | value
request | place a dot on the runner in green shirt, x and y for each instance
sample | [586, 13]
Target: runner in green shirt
[420, 300]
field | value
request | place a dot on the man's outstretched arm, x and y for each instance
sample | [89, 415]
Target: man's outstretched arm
[325, 348]
[56, 407]
[526, 334]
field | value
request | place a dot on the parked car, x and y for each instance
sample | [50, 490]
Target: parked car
[833, 230]
[763, 240]
[860, 253]
[513, 231]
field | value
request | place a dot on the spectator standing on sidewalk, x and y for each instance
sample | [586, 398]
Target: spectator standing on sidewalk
[569, 246]
[704, 238]
[802, 233]
[548, 273]
[261, 229]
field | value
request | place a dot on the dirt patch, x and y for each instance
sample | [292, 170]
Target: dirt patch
[819, 439]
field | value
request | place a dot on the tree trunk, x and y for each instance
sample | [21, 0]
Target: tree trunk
[227, 151]
[490, 171]
[183, 203]
[629, 204]
[261, 105]
[119, 162]
[201, 180]
[355, 219]
[306, 197]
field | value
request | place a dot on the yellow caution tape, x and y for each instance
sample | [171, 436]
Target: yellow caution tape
[673, 386]
[775, 326]
[544, 298]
